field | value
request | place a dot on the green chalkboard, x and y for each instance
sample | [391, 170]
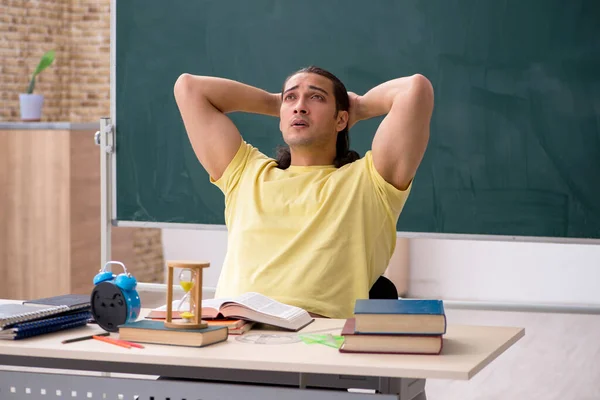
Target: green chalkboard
[515, 138]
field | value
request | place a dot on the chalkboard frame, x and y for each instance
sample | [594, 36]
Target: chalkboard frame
[112, 181]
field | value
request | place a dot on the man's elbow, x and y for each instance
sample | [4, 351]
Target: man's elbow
[183, 86]
[421, 90]
[189, 87]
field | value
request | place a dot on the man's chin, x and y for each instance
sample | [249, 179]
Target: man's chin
[298, 140]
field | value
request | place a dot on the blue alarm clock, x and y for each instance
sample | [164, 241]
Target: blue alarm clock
[114, 299]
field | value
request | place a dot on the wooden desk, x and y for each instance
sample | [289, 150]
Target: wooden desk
[260, 364]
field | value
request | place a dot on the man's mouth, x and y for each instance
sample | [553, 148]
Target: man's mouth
[299, 123]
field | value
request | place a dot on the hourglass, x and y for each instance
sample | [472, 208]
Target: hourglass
[190, 280]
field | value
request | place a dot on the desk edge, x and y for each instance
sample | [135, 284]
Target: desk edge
[493, 356]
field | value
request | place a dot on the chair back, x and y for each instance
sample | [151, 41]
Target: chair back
[383, 288]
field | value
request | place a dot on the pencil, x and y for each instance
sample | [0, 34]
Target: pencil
[78, 339]
[112, 341]
[139, 346]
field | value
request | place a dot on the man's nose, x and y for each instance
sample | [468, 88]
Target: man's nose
[300, 107]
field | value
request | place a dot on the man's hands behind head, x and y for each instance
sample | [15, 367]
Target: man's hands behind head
[356, 112]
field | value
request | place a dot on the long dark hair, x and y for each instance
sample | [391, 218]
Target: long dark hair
[343, 154]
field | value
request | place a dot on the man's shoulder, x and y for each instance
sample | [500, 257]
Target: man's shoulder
[357, 166]
[254, 160]
[255, 153]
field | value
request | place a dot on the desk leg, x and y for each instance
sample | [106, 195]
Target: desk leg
[404, 388]
[302, 381]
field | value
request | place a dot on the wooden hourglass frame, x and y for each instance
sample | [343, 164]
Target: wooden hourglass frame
[195, 295]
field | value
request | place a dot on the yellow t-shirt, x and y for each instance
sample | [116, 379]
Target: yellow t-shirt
[316, 237]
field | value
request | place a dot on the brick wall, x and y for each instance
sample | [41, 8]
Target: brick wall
[76, 87]
[89, 60]
[27, 30]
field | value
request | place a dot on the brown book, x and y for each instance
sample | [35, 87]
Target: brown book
[235, 326]
[387, 343]
[241, 330]
[148, 331]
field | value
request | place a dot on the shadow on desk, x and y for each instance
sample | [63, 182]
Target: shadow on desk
[453, 347]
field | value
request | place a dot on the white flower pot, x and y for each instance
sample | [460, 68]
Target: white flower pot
[31, 106]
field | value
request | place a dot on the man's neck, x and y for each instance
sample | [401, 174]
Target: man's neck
[306, 157]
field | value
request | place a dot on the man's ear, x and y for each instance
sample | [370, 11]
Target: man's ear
[342, 120]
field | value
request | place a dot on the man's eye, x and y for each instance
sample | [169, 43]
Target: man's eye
[318, 97]
[289, 97]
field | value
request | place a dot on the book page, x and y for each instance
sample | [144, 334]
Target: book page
[215, 303]
[175, 306]
[266, 305]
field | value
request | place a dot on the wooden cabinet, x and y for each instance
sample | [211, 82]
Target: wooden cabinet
[50, 212]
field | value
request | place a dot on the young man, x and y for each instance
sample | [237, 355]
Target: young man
[316, 227]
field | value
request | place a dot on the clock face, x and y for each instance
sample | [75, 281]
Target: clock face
[109, 307]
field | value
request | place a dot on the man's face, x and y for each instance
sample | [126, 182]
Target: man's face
[308, 115]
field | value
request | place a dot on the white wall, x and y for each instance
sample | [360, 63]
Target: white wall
[505, 271]
[197, 245]
[559, 356]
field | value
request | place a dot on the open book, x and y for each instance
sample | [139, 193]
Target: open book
[251, 307]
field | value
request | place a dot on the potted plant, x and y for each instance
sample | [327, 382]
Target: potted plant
[31, 104]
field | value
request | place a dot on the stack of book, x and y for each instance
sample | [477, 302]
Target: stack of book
[235, 326]
[403, 326]
[223, 316]
[42, 316]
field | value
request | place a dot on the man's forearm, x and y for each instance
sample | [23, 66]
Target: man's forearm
[230, 96]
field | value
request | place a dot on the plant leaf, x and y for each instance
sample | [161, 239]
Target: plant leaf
[45, 62]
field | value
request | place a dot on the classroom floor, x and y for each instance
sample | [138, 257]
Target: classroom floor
[559, 358]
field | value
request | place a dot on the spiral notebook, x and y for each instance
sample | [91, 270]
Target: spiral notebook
[11, 314]
[48, 325]
[74, 301]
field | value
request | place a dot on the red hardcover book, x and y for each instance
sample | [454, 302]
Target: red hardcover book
[388, 343]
